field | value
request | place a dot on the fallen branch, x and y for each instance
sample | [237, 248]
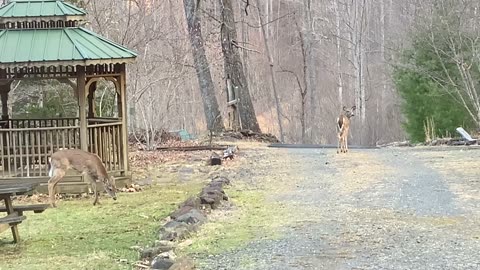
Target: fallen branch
[193, 148]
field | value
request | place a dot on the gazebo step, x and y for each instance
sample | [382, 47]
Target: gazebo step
[42, 179]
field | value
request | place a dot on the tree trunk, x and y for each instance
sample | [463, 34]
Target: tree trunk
[381, 112]
[303, 91]
[210, 104]
[339, 55]
[308, 62]
[234, 67]
[272, 72]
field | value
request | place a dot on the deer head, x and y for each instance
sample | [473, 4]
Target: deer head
[349, 113]
[109, 186]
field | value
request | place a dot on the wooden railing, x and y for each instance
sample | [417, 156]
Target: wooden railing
[105, 140]
[25, 150]
[34, 123]
[56, 122]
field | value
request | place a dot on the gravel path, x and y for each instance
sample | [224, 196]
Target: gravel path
[370, 209]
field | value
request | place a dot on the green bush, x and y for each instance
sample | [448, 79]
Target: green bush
[420, 80]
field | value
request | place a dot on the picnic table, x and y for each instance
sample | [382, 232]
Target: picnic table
[15, 213]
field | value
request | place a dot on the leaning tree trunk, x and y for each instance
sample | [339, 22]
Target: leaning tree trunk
[272, 71]
[210, 104]
[234, 67]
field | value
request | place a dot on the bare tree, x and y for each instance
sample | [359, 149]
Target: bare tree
[234, 67]
[272, 71]
[210, 104]
[308, 62]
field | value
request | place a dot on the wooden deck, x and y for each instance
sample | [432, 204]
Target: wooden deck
[26, 145]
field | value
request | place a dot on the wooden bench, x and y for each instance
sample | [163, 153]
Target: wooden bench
[36, 208]
[15, 217]
[11, 221]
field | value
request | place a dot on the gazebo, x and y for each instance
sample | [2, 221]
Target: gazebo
[44, 39]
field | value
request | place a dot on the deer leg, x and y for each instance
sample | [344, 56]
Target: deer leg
[93, 182]
[346, 143]
[97, 195]
[339, 144]
[57, 175]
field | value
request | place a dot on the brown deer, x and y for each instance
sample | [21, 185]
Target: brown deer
[343, 125]
[83, 162]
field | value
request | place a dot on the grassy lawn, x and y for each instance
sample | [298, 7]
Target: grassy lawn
[77, 235]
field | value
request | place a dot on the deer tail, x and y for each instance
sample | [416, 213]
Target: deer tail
[51, 168]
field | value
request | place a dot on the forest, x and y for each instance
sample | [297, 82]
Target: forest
[411, 68]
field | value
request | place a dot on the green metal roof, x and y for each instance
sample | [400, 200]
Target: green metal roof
[39, 8]
[67, 46]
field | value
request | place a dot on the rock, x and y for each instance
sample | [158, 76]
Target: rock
[151, 252]
[168, 255]
[216, 184]
[160, 263]
[181, 211]
[174, 230]
[193, 201]
[165, 243]
[221, 179]
[215, 159]
[183, 264]
[212, 196]
[191, 217]
[170, 225]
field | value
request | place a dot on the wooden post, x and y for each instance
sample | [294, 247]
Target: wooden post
[91, 100]
[4, 89]
[122, 113]
[9, 207]
[82, 105]
[232, 105]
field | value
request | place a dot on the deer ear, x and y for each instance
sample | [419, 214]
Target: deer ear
[354, 108]
[344, 108]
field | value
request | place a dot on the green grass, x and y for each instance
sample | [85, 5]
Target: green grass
[78, 235]
[253, 217]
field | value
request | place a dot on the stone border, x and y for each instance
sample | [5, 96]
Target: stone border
[185, 220]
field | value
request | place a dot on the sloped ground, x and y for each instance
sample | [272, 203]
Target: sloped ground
[370, 209]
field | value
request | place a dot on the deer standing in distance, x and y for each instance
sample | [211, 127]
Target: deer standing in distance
[84, 162]
[343, 126]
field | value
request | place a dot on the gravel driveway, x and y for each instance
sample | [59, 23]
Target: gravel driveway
[369, 209]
